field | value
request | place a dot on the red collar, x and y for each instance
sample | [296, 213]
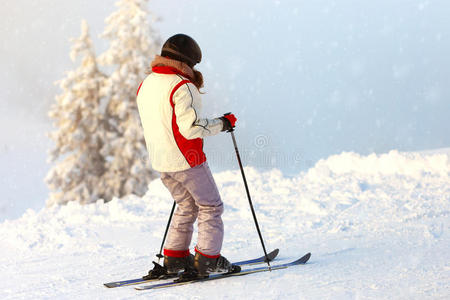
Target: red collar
[168, 70]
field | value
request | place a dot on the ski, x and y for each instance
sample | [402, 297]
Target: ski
[299, 261]
[254, 261]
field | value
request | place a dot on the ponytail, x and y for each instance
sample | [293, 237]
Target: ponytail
[198, 79]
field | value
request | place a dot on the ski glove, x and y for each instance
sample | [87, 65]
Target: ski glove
[229, 121]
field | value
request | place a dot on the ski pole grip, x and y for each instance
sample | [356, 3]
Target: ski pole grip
[232, 129]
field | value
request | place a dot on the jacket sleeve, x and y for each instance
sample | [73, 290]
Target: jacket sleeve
[187, 108]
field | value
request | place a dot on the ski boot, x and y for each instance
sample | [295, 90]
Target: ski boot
[172, 265]
[204, 265]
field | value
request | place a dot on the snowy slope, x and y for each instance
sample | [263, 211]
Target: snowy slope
[377, 226]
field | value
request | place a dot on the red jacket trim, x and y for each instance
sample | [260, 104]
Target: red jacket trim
[206, 255]
[176, 253]
[137, 93]
[169, 70]
[192, 150]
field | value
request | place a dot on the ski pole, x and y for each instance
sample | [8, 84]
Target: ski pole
[248, 195]
[159, 256]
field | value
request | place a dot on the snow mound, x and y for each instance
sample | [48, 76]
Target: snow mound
[393, 163]
[377, 226]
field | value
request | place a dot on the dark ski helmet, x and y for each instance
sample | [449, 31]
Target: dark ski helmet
[183, 48]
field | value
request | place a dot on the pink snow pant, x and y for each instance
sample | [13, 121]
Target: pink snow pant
[196, 195]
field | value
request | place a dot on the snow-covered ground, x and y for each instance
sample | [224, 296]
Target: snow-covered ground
[377, 227]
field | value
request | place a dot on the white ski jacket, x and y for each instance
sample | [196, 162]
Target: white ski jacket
[169, 107]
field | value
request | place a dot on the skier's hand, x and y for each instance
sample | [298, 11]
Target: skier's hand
[229, 121]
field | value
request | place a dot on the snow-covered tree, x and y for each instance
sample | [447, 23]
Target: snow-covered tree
[133, 43]
[79, 135]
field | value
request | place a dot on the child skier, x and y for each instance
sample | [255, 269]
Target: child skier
[169, 105]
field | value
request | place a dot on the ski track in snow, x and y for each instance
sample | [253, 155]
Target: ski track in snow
[377, 227]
